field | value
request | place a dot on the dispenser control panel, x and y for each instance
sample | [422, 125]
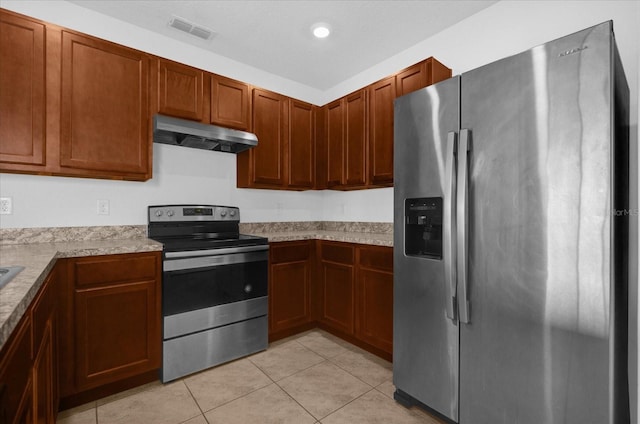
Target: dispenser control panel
[423, 227]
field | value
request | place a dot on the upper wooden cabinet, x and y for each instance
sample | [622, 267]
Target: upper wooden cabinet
[355, 140]
[334, 133]
[180, 90]
[358, 145]
[71, 104]
[381, 96]
[22, 88]
[104, 110]
[285, 155]
[301, 155]
[420, 75]
[230, 103]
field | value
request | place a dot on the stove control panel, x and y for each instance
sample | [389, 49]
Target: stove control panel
[177, 213]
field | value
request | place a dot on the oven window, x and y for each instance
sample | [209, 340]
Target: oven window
[191, 289]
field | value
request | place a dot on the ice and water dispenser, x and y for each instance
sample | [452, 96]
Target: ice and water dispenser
[423, 227]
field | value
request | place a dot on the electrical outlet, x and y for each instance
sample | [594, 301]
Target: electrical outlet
[103, 207]
[6, 208]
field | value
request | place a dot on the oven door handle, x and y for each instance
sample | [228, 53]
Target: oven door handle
[215, 252]
[186, 264]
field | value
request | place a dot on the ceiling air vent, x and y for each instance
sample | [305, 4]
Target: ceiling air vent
[184, 25]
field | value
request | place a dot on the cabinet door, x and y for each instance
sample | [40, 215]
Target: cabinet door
[117, 332]
[301, 156]
[15, 374]
[180, 90]
[44, 378]
[337, 293]
[355, 152]
[104, 108]
[381, 97]
[270, 126]
[337, 286]
[411, 79]
[22, 88]
[230, 103]
[335, 142]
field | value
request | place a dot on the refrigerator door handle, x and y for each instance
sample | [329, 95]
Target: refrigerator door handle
[448, 227]
[462, 224]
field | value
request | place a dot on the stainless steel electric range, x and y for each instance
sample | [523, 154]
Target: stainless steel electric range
[214, 288]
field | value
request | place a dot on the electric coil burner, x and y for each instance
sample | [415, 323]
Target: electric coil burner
[214, 288]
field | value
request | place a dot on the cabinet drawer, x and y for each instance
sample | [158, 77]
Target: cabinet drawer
[289, 251]
[114, 268]
[377, 257]
[337, 252]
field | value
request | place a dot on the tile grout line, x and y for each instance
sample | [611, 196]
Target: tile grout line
[195, 401]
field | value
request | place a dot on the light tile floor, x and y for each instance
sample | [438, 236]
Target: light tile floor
[312, 378]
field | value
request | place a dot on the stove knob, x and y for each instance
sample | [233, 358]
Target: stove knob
[158, 213]
[233, 212]
[169, 213]
[223, 214]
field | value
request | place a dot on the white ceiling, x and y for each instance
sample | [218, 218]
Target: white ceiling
[275, 36]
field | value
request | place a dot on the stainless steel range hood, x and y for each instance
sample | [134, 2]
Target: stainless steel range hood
[180, 132]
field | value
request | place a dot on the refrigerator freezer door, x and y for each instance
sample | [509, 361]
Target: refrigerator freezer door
[537, 348]
[425, 341]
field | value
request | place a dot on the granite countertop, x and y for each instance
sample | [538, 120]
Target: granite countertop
[349, 237]
[375, 233]
[37, 249]
[38, 260]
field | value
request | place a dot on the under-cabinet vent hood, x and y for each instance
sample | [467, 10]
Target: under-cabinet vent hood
[180, 132]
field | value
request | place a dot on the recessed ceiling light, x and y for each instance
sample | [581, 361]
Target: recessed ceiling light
[321, 30]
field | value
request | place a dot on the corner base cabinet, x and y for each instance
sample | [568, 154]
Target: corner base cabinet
[344, 288]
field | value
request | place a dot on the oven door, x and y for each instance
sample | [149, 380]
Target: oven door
[207, 289]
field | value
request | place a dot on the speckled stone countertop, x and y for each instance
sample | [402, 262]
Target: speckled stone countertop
[375, 233]
[37, 249]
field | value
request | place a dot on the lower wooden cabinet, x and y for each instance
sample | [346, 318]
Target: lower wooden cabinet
[344, 288]
[374, 302]
[336, 283]
[115, 323]
[290, 269]
[28, 363]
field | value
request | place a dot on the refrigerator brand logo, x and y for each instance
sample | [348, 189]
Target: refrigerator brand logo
[572, 51]
[626, 212]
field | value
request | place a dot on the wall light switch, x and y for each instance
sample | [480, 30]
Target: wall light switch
[103, 207]
[6, 207]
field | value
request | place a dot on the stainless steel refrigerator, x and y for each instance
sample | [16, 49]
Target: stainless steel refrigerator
[511, 239]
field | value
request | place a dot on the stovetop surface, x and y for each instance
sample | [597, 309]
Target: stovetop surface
[176, 244]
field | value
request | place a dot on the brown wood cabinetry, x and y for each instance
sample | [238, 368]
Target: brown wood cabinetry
[301, 155]
[180, 90]
[355, 140]
[285, 155]
[230, 103]
[116, 317]
[104, 123]
[335, 117]
[381, 97]
[374, 300]
[22, 84]
[420, 75]
[350, 292]
[359, 129]
[290, 288]
[28, 362]
[72, 104]
[336, 286]
[346, 132]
